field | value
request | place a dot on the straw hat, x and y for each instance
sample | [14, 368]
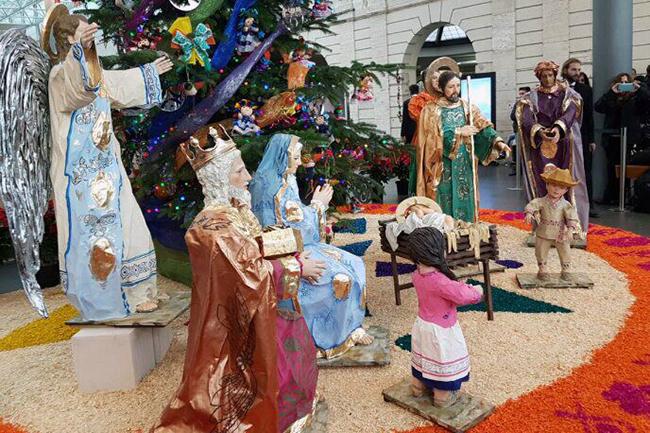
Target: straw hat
[558, 176]
[435, 66]
[404, 206]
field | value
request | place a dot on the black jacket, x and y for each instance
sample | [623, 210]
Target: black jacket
[621, 110]
[587, 127]
[408, 125]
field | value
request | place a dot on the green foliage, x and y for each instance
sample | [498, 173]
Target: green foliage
[348, 160]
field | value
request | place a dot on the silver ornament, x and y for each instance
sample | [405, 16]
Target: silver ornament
[185, 6]
[25, 152]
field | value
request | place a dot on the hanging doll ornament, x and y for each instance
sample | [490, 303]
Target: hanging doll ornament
[185, 5]
[321, 123]
[299, 68]
[322, 9]
[364, 92]
[250, 35]
[245, 123]
[195, 48]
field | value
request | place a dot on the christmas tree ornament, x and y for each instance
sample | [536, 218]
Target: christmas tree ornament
[190, 89]
[322, 9]
[364, 91]
[294, 14]
[249, 35]
[185, 5]
[127, 5]
[299, 68]
[277, 109]
[321, 123]
[245, 123]
[173, 100]
[195, 49]
[224, 52]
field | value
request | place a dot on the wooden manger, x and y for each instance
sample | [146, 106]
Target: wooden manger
[464, 256]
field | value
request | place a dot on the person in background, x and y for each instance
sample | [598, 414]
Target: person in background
[512, 142]
[421, 81]
[633, 75]
[409, 126]
[584, 79]
[619, 106]
[571, 71]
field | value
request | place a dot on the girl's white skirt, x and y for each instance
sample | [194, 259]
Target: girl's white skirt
[439, 353]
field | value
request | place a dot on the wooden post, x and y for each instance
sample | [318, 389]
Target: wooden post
[393, 264]
[488, 289]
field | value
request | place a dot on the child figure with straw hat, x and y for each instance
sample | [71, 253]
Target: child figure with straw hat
[555, 220]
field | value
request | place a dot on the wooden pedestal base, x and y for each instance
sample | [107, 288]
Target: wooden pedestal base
[575, 281]
[461, 416]
[375, 354]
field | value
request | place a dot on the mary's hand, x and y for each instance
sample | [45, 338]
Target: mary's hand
[312, 270]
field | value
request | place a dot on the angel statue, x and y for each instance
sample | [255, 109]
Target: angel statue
[106, 255]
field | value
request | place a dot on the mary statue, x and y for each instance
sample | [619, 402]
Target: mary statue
[334, 304]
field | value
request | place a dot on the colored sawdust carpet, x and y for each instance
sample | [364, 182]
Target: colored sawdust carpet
[576, 368]
[355, 225]
[10, 428]
[610, 392]
[357, 248]
[510, 302]
[42, 331]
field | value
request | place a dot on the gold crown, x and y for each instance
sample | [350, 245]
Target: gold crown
[198, 156]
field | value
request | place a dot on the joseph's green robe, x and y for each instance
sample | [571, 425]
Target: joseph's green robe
[445, 166]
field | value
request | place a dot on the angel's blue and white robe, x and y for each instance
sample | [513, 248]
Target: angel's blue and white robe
[106, 255]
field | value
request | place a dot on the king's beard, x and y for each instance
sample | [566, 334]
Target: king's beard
[240, 194]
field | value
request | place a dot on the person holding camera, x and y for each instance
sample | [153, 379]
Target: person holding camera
[619, 106]
[571, 71]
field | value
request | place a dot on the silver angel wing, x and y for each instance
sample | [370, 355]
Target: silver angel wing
[25, 152]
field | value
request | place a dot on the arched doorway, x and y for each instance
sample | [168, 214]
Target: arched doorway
[437, 40]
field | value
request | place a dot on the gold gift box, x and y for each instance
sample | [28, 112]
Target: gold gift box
[278, 242]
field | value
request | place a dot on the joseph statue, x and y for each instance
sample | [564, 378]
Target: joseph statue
[452, 137]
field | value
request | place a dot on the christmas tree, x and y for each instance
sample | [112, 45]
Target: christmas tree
[241, 64]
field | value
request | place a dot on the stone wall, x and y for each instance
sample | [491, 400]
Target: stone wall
[508, 36]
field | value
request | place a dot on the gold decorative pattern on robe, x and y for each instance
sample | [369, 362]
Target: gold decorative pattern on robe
[102, 132]
[102, 259]
[341, 284]
[337, 351]
[102, 190]
[293, 211]
[336, 255]
[430, 143]
[291, 281]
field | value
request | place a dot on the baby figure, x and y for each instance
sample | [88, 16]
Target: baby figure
[439, 356]
[555, 219]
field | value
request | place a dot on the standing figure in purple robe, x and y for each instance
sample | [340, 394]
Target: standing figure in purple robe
[549, 119]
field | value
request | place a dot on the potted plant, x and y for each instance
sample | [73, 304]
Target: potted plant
[401, 165]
